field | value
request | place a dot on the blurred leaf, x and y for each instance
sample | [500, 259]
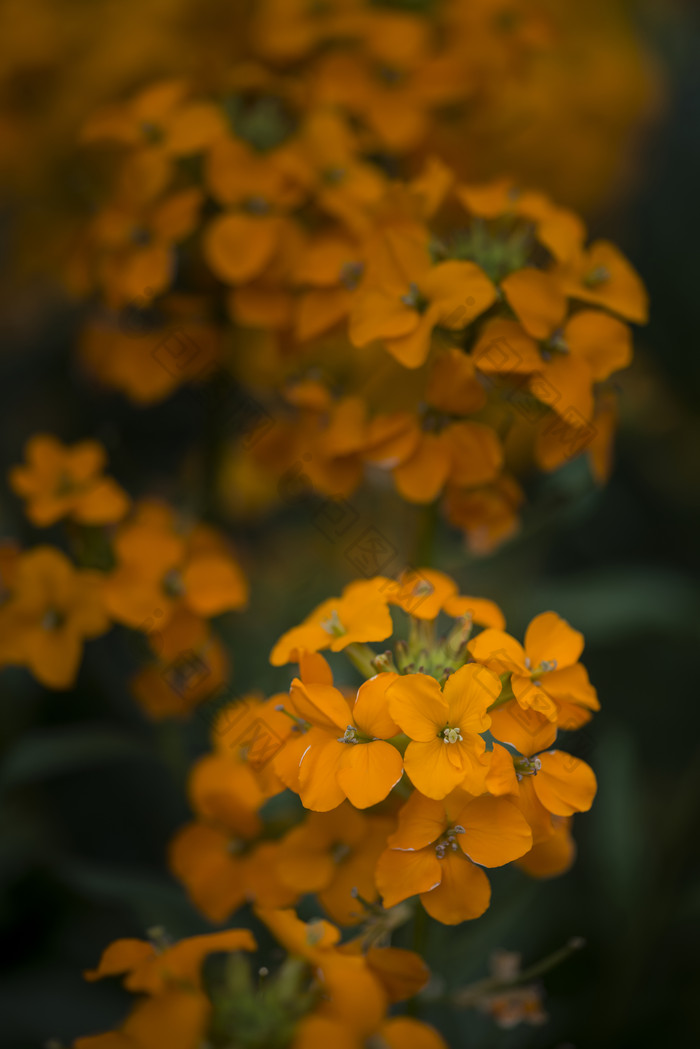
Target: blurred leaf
[54, 752]
[622, 851]
[154, 900]
[613, 604]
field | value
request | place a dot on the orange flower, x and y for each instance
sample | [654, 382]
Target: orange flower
[180, 1016]
[537, 300]
[425, 592]
[53, 609]
[360, 614]
[221, 871]
[394, 82]
[346, 753]
[453, 386]
[60, 481]
[191, 664]
[444, 726]
[553, 856]
[150, 970]
[435, 849]
[560, 372]
[328, 272]
[333, 854]
[175, 1005]
[259, 190]
[158, 569]
[487, 515]
[546, 786]
[131, 244]
[406, 296]
[602, 275]
[161, 118]
[467, 454]
[352, 993]
[547, 680]
[150, 360]
[343, 184]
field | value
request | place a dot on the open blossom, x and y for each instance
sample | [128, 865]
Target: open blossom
[425, 592]
[549, 684]
[53, 608]
[334, 854]
[405, 296]
[160, 568]
[359, 614]
[66, 481]
[347, 754]
[436, 849]
[322, 992]
[546, 786]
[174, 1004]
[444, 726]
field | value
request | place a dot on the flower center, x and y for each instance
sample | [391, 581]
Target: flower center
[598, 275]
[333, 626]
[527, 767]
[448, 841]
[451, 735]
[65, 485]
[340, 851]
[545, 667]
[413, 298]
[173, 583]
[349, 736]
[350, 274]
[52, 619]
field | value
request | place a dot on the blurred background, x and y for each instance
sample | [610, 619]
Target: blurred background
[91, 790]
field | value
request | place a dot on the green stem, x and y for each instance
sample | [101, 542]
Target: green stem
[361, 657]
[425, 536]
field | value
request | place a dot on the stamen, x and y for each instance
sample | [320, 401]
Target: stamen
[452, 735]
[340, 851]
[333, 626]
[298, 722]
[599, 275]
[350, 273]
[527, 767]
[413, 297]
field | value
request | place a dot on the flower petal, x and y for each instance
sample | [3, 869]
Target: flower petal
[400, 875]
[417, 704]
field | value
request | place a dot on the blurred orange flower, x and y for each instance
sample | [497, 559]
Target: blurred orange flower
[66, 481]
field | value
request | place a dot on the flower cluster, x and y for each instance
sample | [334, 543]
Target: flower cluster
[322, 993]
[546, 90]
[390, 314]
[359, 226]
[139, 565]
[440, 766]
